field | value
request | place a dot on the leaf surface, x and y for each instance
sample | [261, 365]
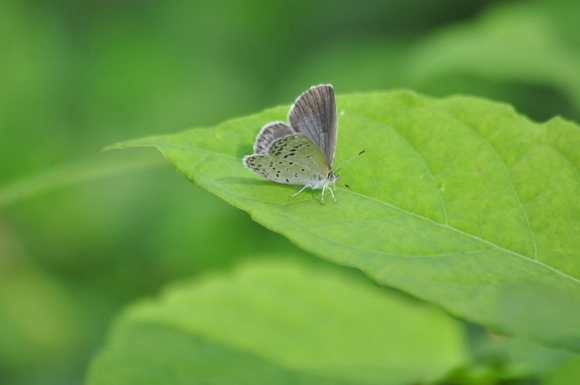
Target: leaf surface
[458, 201]
[280, 323]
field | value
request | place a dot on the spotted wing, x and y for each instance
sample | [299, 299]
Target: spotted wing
[291, 160]
[314, 115]
[269, 134]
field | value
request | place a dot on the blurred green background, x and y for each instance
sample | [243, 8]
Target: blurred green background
[83, 233]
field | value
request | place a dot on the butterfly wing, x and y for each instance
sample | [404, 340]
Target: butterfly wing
[269, 134]
[314, 116]
[291, 160]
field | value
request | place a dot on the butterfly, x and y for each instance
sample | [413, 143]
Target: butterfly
[302, 151]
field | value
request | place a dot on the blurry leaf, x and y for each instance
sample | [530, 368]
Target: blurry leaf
[508, 358]
[457, 201]
[516, 42]
[539, 310]
[568, 374]
[69, 175]
[280, 322]
[524, 53]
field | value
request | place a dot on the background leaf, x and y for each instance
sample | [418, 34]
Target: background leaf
[515, 43]
[458, 201]
[280, 322]
[568, 374]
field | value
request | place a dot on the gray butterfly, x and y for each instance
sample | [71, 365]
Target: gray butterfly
[301, 152]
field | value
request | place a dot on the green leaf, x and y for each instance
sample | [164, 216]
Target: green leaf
[568, 374]
[277, 323]
[533, 43]
[458, 201]
[69, 175]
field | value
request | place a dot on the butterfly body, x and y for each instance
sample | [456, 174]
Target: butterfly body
[301, 152]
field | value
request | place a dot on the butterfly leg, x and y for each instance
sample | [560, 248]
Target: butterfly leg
[334, 187]
[332, 193]
[324, 188]
[302, 189]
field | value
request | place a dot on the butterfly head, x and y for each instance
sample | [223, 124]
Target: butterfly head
[332, 177]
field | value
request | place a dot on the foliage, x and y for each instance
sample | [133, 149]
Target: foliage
[83, 233]
[460, 201]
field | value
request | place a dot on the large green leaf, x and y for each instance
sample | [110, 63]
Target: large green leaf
[280, 323]
[459, 201]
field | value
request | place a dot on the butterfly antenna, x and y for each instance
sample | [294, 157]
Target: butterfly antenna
[348, 160]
